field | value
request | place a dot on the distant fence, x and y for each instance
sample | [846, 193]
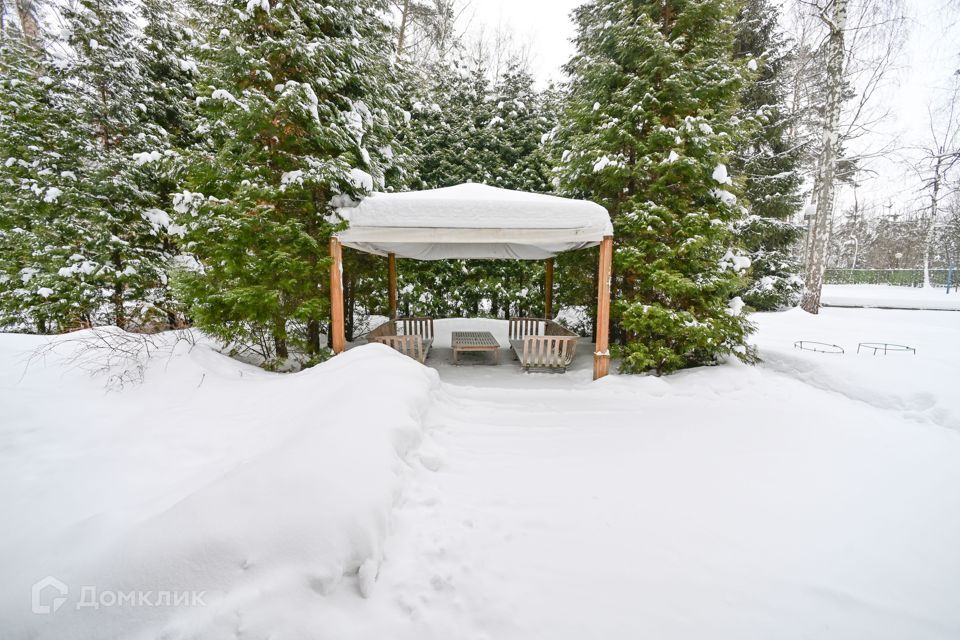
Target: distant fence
[897, 277]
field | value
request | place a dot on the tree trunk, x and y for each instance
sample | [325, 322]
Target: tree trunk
[403, 25]
[280, 344]
[827, 162]
[313, 337]
[29, 25]
[932, 222]
[119, 315]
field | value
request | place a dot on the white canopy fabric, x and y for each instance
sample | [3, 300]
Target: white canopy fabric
[473, 221]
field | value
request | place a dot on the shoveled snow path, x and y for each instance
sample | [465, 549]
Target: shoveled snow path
[700, 506]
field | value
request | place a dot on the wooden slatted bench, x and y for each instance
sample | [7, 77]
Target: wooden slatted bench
[542, 344]
[410, 336]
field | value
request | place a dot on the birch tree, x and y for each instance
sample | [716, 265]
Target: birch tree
[940, 157]
[849, 55]
[834, 15]
[26, 15]
[427, 29]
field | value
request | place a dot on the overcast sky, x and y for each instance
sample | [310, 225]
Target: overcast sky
[545, 24]
[929, 58]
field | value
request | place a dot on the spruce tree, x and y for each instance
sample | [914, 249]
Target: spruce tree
[769, 160]
[450, 144]
[651, 121]
[299, 109]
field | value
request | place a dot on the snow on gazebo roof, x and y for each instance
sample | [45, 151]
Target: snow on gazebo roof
[473, 221]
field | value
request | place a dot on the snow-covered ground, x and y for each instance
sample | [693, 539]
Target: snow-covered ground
[890, 297]
[812, 496]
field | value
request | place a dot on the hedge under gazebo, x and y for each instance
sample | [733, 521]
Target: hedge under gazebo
[475, 221]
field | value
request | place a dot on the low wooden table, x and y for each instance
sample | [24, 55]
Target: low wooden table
[474, 341]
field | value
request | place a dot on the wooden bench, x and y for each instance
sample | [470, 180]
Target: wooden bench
[542, 344]
[410, 336]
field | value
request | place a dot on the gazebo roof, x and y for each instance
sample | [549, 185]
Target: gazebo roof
[473, 221]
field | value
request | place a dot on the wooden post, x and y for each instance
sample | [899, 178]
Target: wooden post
[548, 291]
[392, 284]
[601, 356]
[337, 338]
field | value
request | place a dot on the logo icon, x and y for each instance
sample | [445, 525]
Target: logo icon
[41, 602]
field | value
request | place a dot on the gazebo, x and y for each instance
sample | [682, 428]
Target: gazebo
[475, 221]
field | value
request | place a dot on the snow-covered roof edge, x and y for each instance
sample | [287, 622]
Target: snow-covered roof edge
[492, 222]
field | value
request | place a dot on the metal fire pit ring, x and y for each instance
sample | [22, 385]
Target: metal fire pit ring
[885, 348]
[818, 347]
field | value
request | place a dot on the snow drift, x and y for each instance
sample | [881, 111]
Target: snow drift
[813, 495]
[181, 489]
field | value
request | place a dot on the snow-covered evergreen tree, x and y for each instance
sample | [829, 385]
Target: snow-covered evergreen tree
[769, 160]
[123, 229]
[465, 130]
[168, 70]
[650, 123]
[41, 202]
[90, 246]
[91, 136]
[522, 118]
[299, 111]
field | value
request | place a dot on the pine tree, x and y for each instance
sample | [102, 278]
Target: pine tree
[300, 109]
[650, 122]
[465, 130]
[451, 143]
[769, 160]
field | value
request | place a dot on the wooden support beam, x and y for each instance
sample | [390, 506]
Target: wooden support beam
[337, 339]
[601, 356]
[392, 284]
[548, 291]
